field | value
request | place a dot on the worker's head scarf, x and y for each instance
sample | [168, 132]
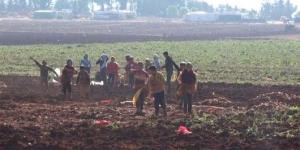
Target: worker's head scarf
[156, 61]
[104, 58]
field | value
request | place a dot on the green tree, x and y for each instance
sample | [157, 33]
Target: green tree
[200, 6]
[63, 4]
[277, 9]
[41, 4]
[10, 5]
[81, 6]
[182, 11]
[172, 11]
[156, 7]
[123, 4]
[102, 3]
[2, 5]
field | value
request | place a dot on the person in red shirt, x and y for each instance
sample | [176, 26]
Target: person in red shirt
[66, 79]
[188, 85]
[182, 67]
[131, 65]
[140, 81]
[113, 72]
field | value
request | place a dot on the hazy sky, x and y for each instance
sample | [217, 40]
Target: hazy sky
[248, 4]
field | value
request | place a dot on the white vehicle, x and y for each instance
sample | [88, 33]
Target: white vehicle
[44, 14]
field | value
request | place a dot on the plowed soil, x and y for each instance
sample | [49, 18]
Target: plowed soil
[17, 32]
[32, 120]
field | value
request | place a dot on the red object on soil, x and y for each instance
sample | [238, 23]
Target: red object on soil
[106, 102]
[102, 123]
[183, 130]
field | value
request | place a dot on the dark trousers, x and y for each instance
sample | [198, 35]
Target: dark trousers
[187, 103]
[130, 80]
[169, 77]
[66, 87]
[140, 102]
[159, 99]
[111, 79]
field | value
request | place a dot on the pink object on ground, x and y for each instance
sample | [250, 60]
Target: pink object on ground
[106, 102]
[102, 123]
[183, 130]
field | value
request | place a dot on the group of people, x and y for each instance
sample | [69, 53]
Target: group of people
[144, 78]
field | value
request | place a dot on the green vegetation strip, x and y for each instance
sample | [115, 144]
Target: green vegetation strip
[253, 61]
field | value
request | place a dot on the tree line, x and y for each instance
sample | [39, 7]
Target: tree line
[160, 8]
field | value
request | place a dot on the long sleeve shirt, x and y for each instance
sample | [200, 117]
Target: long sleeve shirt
[156, 83]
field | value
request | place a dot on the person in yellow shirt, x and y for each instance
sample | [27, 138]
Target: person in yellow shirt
[157, 90]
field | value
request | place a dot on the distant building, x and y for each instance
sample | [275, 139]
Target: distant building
[44, 14]
[114, 15]
[200, 16]
[52, 14]
[230, 17]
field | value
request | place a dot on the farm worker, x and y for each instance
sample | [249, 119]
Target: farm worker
[157, 90]
[66, 79]
[131, 65]
[113, 72]
[147, 64]
[44, 73]
[103, 60]
[156, 62]
[84, 81]
[169, 63]
[182, 66]
[140, 80]
[188, 85]
[127, 69]
[86, 63]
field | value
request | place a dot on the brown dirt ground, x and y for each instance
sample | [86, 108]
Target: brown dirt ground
[30, 120]
[14, 32]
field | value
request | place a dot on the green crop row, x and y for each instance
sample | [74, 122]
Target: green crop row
[252, 61]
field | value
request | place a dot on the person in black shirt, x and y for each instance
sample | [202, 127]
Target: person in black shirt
[169, 63]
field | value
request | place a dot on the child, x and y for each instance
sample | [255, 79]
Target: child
[84, 81]
[131, 64]
[156, 62]
[157, 90]
[86, 63]
[182, 66]
[147, 64]
[113, 72]
[127, 69]
[44, 73]
[66, 79]
[140, 81]
[188, 85]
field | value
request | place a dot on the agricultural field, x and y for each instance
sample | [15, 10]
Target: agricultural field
[252, 61]
[248, 95]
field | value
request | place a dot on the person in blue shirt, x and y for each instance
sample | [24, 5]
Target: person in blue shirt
[102, 62]
[86, 63]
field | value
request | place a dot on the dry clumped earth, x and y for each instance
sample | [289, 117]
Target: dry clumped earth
[226, 116]
[17, 32]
